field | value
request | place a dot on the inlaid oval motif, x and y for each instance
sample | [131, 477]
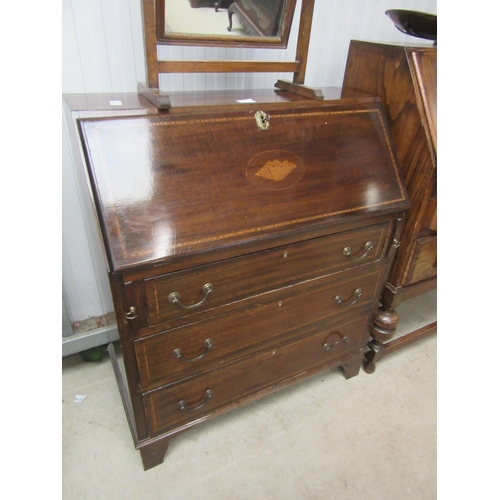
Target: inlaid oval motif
[274, 170]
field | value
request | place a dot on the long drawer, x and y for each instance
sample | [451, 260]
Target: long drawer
[187, 350]
[170, 407]
[194, 291]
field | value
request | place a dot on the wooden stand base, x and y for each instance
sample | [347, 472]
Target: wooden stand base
[155, 96]
[161, 100]
[302, 90]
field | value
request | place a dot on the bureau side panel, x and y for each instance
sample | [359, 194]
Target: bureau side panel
[121, 309]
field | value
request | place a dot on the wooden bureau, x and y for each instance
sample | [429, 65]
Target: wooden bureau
[404, 77]
[247, 248]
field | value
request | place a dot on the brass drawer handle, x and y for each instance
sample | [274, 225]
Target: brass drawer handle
[327, 346]
[178, 352]
[357, 294]
[347, 251]
[174, 297]
[183, 405]
[131, 314]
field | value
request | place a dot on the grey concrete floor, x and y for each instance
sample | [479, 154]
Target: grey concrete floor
[371, 437]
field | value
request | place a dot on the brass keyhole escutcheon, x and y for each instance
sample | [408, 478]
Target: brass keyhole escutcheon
[262, 120]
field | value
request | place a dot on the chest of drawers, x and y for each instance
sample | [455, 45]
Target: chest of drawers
[247, 248]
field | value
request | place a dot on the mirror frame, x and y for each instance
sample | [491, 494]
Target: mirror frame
[173, 38]
[155, 67]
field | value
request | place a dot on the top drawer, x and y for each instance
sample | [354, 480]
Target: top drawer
[188, 293]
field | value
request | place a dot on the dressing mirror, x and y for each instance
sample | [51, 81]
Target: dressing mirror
[248, 23]
[237, 23]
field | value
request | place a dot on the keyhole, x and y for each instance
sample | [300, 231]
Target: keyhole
[262, 120]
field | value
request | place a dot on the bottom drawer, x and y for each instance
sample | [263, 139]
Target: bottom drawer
[171, 407]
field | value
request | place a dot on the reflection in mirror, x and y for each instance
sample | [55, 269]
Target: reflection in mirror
[198, 18]
[225, 22]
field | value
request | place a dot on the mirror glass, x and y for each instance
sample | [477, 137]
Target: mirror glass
[239, 23]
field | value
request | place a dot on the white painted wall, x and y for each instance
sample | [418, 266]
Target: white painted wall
[103, 51]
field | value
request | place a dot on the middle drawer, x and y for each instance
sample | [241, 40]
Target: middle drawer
[186, 294]
[169, 356]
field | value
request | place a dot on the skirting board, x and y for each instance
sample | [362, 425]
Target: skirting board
[83, 341]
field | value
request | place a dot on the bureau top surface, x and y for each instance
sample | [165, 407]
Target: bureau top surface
[177, 184]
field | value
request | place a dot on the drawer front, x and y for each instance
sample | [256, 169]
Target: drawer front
[194, 291]
[187, 350]
[170, 407]
[424, 261]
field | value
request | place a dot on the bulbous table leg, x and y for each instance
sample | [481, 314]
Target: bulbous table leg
[383, 329]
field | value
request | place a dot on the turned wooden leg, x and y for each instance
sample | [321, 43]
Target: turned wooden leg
[385, 324]
[375, 354]
[383, 329]
[153, 454]
[352, 367]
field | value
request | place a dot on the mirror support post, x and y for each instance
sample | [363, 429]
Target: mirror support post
[150, 46]
[297, 86]
[304, 36]
[150, 90]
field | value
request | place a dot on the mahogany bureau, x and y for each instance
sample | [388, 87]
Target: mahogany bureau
[247, 248]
